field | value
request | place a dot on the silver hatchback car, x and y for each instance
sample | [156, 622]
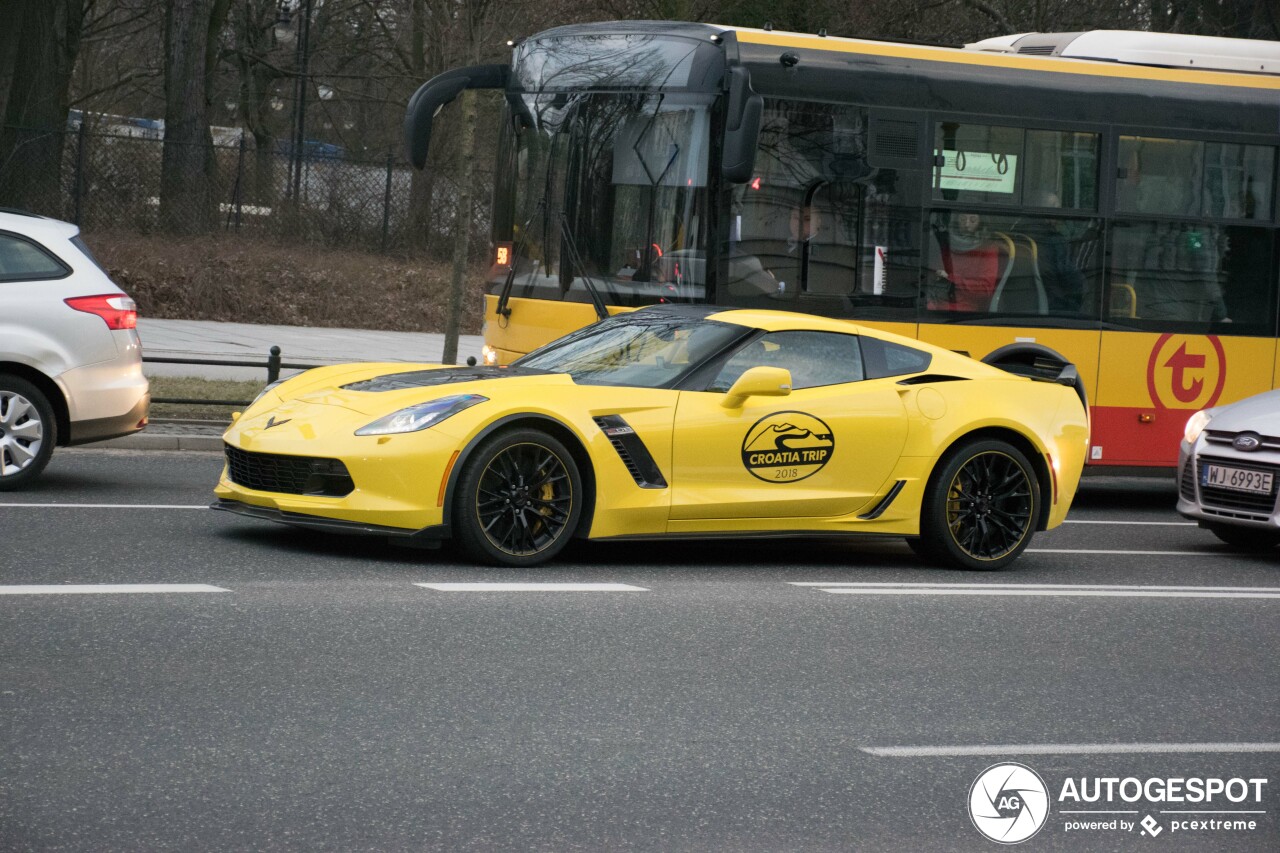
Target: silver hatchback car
[1229, 470]
[70, 358]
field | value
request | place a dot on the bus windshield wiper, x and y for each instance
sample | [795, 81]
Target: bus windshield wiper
[645, 273]
[505, 295]
[575, 258]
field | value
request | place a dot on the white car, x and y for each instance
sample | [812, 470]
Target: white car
[70, 358]
[1229, 468]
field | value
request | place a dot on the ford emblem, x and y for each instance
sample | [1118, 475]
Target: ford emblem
[1247, 442]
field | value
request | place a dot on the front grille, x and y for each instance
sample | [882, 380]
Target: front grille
[1218, 436]
[1232, 500]
[1187, 485]
[292, 475]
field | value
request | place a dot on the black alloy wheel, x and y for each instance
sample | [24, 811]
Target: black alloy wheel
[980, 508]
[519, 499]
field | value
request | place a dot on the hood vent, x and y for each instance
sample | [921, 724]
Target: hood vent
[444, 376]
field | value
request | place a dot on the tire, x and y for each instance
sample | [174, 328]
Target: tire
[28, 432]
[980, 509]
[518, 501]
[1246, 538]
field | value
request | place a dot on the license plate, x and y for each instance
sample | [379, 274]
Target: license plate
[1239, 479]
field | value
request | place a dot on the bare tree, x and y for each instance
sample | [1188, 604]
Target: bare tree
[38, 45]
[188, 172]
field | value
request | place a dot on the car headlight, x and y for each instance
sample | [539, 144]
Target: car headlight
[421, 416]
[1196, 424]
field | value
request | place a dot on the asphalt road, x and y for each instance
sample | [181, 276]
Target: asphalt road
[748, 696]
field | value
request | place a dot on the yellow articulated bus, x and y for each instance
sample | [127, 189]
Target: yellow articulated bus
[1109, 195]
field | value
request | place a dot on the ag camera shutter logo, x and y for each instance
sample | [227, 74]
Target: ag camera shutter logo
[1008, 803]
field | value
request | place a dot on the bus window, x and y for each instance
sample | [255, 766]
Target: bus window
[1178, 177]
[818, 229]
[1061, 170]
[1002, 264]
[1237, 181]
[1192, 277]
[1160, 176]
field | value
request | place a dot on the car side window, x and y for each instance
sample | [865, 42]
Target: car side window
[814, 359]
[23, 260]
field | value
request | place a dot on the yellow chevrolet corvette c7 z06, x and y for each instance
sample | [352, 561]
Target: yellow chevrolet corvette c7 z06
[675, 422]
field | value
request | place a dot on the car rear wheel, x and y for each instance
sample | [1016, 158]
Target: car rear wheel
[518, 500]
[1246, 538]
[980, 508]
[28, 432]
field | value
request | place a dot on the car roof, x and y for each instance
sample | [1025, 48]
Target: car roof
[782, 321]
[34, 225]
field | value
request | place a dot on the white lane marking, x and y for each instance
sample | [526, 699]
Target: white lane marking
[1147, 523]
[94, 588]
[1033, 586]
[1131, 553]
[108, 506]
[992, 589]
[1066, 749]
[532, 587]
[1094, 593]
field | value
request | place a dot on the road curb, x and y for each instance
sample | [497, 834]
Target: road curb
[163, 442]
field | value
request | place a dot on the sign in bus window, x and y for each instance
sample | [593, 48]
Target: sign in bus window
[977, 162]
[978, 170]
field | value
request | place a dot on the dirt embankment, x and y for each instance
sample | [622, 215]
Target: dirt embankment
[244, 280]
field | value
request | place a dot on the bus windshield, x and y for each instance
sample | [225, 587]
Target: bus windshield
[605, 190]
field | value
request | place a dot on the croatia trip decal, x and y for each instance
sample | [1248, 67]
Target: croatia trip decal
[787, 446]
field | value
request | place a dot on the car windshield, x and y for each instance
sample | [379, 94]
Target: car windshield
[646, 350]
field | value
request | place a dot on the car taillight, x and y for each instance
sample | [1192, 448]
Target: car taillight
[118, 311]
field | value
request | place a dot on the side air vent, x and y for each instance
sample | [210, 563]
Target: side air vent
[883, 504]
[895, 140]
[632, 452]
[1037, 50]
[930, 378]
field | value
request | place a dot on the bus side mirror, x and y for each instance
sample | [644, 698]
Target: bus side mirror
[758, 382]
[742, 128]
[437, 92]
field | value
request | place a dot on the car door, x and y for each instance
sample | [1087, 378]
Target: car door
[826, 449]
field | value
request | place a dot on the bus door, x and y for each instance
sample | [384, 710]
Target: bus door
[1191, 324]
[1190, 314]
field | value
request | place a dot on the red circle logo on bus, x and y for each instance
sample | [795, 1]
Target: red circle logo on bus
[1186, 371]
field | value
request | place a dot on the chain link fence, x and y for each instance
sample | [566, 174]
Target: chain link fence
[111, 179]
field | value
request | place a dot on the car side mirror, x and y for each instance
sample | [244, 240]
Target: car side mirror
[758, 382]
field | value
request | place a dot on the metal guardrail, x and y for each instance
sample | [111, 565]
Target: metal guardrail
[273, 365]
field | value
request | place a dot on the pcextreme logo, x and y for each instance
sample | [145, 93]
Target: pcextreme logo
[1186, 371]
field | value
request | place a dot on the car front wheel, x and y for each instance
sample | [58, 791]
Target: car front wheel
[28, 432]
[1246, 538]
[980, 509]
[518, 500]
